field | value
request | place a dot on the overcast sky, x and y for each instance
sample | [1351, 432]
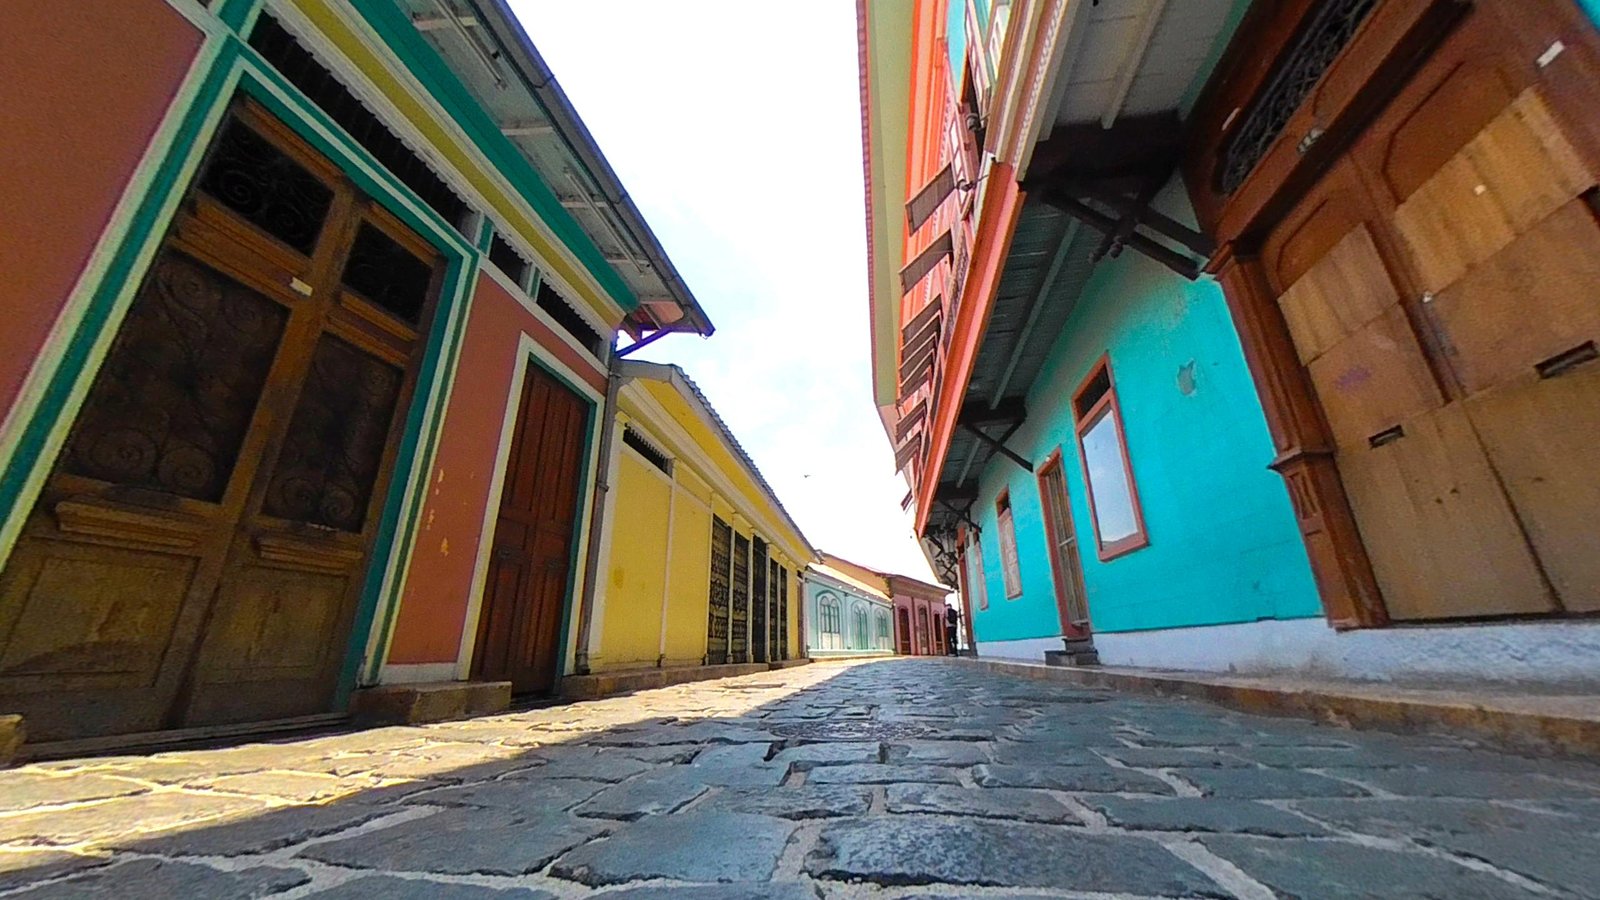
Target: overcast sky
[736, 127]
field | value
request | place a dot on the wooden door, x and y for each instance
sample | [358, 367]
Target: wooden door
[197, 553]
[922, 630]
[1071, 601]
[1442, 287]
[776, 645]
[530, 567]
[903, 638]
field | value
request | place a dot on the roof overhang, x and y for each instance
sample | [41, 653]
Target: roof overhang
[487, 49]
[884, 35]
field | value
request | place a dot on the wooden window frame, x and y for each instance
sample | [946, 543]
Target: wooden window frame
[1107, 405]
[1005, 525]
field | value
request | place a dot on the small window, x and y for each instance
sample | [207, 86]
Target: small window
[1103, 450]
[506, 258]
[1010, 567]
[559, 309]
[652, 454]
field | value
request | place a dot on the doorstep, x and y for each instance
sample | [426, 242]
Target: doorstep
[605, 684]
[437, 701]
[1540, 719]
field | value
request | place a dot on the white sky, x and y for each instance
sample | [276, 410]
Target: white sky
[736, 127]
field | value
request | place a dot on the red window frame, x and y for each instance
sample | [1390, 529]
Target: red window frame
[1085, 417]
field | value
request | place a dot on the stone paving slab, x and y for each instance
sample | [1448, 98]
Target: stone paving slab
[907, 851]
[1335, 871]
[911, 777]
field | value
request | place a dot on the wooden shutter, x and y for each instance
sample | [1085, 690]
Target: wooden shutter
[932, 195]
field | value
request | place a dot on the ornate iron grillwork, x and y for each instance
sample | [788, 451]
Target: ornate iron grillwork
[387, 274]
[170, 406]
[266, 187]
[775, 617]
[759, 593]
[739, 619]
[717, 624]
[334, 446]
[1320, 43]
[783, 613]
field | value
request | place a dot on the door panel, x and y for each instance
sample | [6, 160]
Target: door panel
[1072, 606]
[1373, 380]
[1441, 536]
[717, 615]
[1544, 437]
[1532, 302]
[195, 556]
[525, 597]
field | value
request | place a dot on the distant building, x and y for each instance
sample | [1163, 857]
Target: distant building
[846, 614]
[878, 612]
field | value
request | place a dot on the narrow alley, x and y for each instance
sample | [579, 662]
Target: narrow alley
[897, 778]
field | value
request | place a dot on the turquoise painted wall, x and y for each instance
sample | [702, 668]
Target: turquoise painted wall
[1223, 544]
[1592, 7]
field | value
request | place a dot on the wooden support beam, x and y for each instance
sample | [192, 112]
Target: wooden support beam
[999, 447]
[1094, 218]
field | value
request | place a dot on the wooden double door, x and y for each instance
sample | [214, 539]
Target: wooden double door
[1442, 288]
[196, 555]
[530, 567]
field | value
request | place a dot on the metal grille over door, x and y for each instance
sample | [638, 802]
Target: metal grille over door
[717, 622]
[739, 619]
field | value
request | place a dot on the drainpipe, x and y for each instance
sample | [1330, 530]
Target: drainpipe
[602, 487]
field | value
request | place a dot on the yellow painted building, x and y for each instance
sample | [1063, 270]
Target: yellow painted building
[699, 562]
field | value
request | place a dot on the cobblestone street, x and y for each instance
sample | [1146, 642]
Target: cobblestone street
[899, 778]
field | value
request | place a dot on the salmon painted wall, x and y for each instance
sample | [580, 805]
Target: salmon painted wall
[100, 76]
[439, 580]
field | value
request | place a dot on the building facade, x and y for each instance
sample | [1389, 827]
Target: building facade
[700, 563]
[847, 615]
[921, 624]
[304, 387]
[1202, 330]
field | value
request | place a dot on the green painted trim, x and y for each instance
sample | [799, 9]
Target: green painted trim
[238, 15]
[393, 27]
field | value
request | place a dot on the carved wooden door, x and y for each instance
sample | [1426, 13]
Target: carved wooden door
[1441, 287]
[197, 553]
[739, 614]
[759, 592]
[519, 631]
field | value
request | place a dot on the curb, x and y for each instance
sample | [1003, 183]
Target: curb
[1507, 726]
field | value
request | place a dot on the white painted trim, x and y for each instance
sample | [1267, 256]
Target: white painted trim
[1509, 652]
[417, 673]
[1029, 649]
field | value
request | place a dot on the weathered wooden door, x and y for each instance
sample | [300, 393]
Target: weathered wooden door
[903, 643]
[530, 567]
[1442, 287]
[1071, 603]
[197, 553]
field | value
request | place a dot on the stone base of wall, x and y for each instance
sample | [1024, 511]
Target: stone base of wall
[605, 684]
[12, 733]
[411, 704]
[1559, 652]
[789, 663]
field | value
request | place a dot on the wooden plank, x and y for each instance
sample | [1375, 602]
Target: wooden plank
[1534, 300]
[1373, 380]
[1441, 536]
[1344, 291]
[1541, 435]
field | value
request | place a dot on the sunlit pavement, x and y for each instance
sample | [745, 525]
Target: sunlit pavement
[925, 778]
